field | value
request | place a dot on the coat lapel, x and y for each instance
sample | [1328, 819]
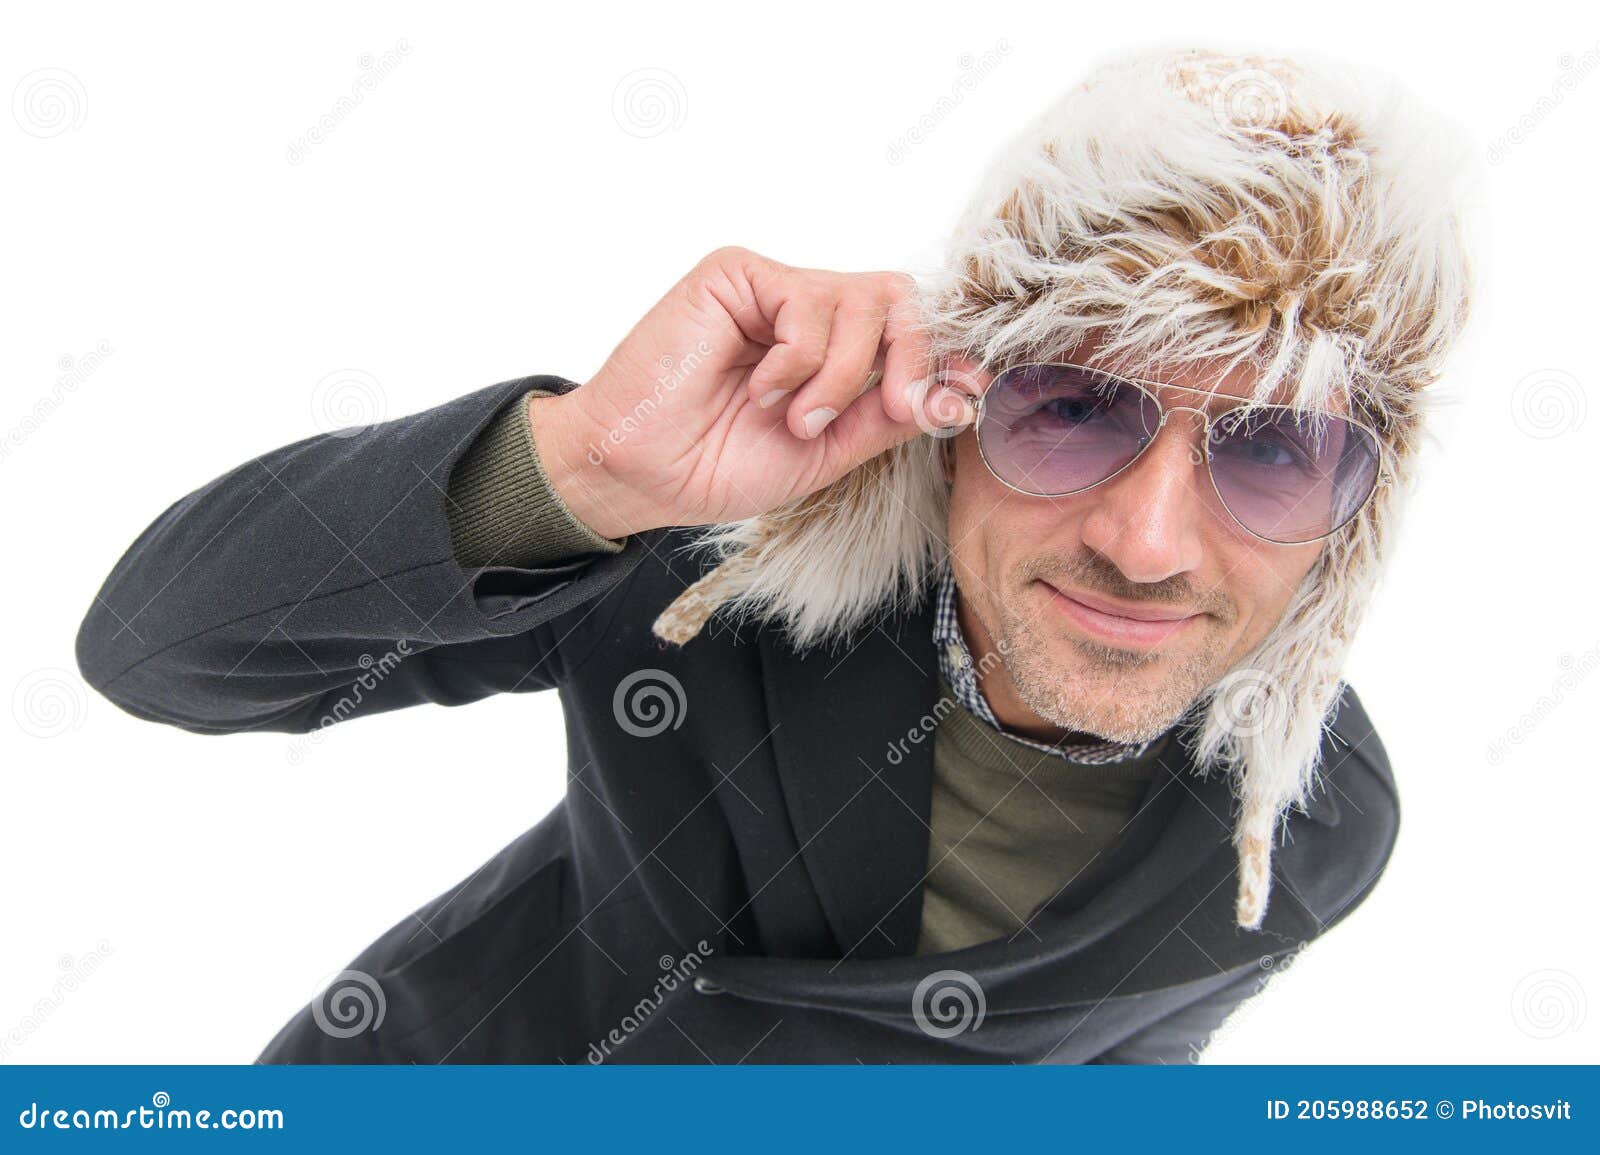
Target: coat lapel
[854, 746]
[853, 740]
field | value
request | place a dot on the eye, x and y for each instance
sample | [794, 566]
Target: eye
[1264, 445]
[1260, 451]
[1075, 410]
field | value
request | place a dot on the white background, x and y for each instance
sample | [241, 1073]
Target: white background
[487, 212]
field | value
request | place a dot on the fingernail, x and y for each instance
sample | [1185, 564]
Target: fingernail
[768, 400]
[817, 420]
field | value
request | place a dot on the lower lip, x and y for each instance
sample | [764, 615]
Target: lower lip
[1113, 628]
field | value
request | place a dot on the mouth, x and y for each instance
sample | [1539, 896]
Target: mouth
[1121, 623]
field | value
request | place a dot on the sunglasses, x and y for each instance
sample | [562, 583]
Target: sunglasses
[1285, 475]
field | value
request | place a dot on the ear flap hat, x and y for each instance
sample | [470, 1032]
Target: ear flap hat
[1301, 217]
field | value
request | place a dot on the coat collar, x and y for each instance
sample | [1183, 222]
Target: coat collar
[854, 748]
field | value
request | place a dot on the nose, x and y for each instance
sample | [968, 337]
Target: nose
[1147, 520]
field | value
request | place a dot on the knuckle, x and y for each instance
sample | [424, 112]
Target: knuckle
[856, 305]
[728, 256]
[810, 353]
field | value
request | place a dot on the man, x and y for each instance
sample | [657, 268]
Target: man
[1004, 688]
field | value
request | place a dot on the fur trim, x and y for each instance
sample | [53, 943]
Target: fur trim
[1301, 217]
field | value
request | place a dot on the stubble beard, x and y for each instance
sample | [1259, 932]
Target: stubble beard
[1121, 695]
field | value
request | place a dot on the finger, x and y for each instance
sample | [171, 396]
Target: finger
[802, 321]
[862, 432]
[940, 408]
[853, 351]
[907, 364]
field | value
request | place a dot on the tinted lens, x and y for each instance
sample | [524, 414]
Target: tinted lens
[1292, 477]
[1051, 430]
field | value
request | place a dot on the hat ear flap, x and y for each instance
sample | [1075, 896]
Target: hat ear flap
[825, 564]
[688, 613]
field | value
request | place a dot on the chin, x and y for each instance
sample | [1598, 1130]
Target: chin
[1118, 695]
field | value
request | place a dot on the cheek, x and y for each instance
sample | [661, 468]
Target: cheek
[969, 496]
[993, 526]
[1263, 581]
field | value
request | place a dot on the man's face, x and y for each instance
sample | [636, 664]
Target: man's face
[1113, 609]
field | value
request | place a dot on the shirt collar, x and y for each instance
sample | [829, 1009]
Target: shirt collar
[959, 672]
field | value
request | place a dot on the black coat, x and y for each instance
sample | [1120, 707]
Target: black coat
[744, 884]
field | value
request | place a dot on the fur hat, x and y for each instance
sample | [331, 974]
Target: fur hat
[1299, 216]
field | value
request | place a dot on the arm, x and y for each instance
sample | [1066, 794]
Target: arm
[352, 574]
[264, 600]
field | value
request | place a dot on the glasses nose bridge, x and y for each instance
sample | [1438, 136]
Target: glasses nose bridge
[1205, 424]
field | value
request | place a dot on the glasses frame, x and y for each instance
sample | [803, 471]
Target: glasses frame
[1149, 389]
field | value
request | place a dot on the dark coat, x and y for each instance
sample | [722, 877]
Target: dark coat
[744, 884]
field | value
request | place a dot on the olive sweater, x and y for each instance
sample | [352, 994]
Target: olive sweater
[1010, 825]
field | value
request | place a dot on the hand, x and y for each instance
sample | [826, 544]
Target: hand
[743, 389]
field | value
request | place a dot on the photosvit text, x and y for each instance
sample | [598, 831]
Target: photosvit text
[1560, 1109]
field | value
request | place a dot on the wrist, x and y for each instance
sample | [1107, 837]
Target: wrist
[572, 455]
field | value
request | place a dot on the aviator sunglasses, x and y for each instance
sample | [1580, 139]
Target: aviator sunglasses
[1285, 475]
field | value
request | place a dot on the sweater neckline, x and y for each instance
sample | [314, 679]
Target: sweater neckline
[998, 750]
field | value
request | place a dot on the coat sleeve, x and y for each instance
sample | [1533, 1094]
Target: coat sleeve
[1183, 1035]
[318, 582]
